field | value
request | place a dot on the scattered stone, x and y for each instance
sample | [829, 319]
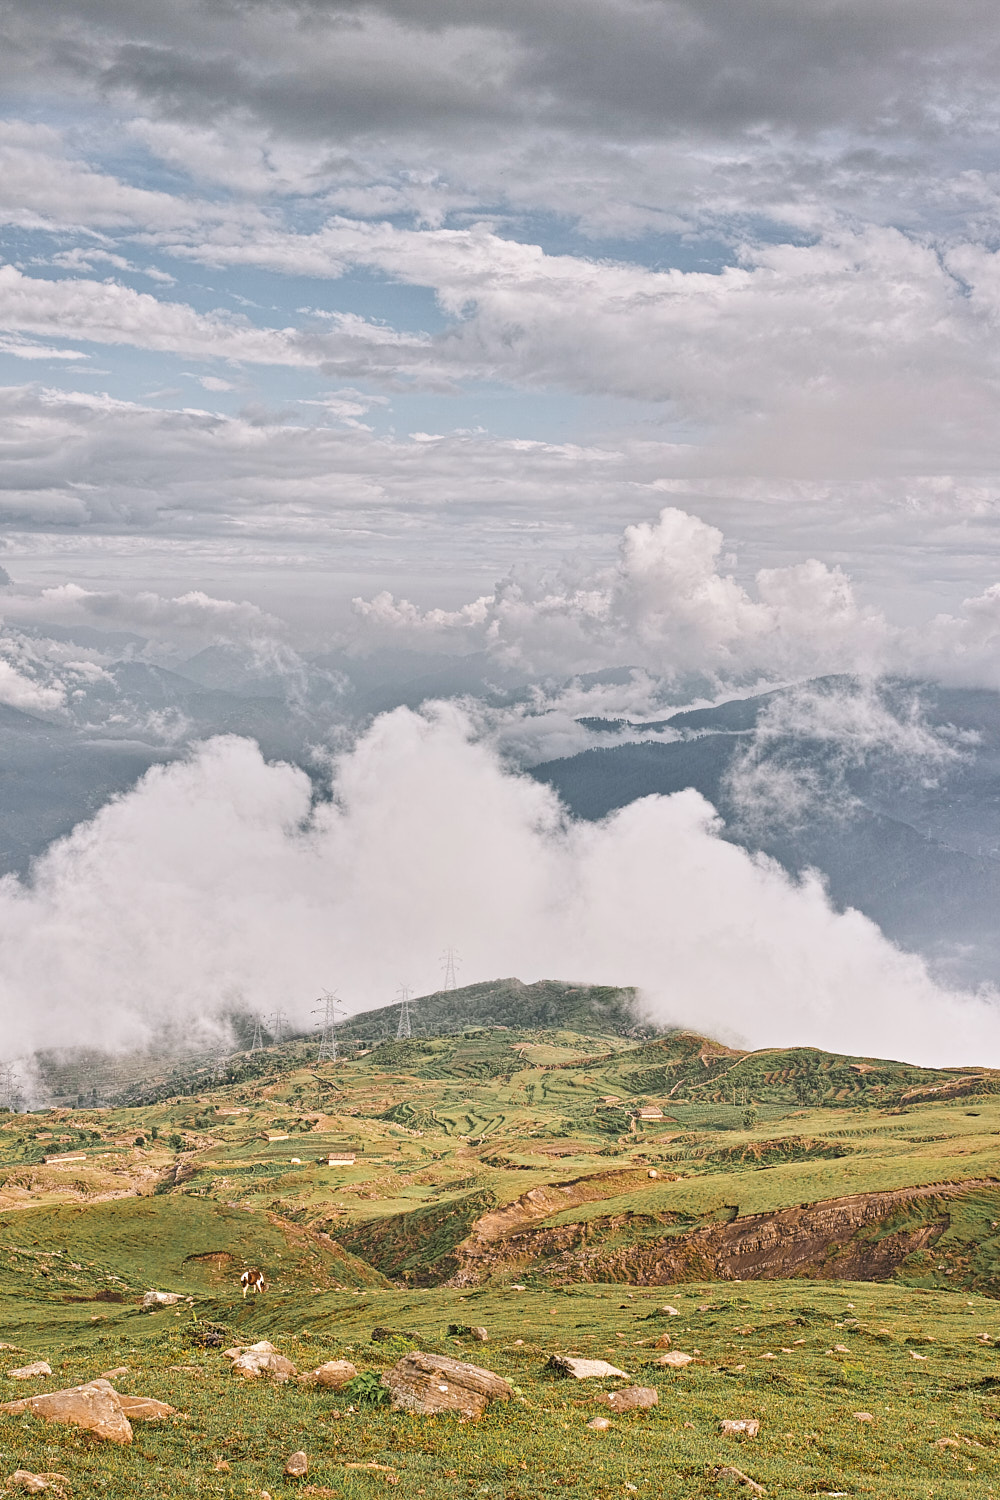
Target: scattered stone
[30, 1372]
[599, 1424]
[915, 1355]
[297, 1465]
[332, 1376]
[584, 1369]
[95, 1407]
[429, 1383]
[144, 1408]
[35, 1484]
[663, 1342]
[221, 1467]
[116, 1374]
[841, 1349]
[745, 1428]
[160, 1299]
[632, 1398]
[945, 1443]
[380, 1335]
[728, 1475]
[652, 1175]
[769, 1355]
[668, 1311]
[863, 1416]
[468, 1331]
[251, 1361]
[675, 1360]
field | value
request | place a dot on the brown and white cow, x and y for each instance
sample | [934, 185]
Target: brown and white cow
[253, 1281]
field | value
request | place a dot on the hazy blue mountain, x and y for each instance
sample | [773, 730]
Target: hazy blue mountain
[914, 845]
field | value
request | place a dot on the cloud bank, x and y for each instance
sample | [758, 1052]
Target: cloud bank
[218, 882]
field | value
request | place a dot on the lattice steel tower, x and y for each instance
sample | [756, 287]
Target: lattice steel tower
[450, 961]
[257, 1044]
[327, 1008]
[405, 1028]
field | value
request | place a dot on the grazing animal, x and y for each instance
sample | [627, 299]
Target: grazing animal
[253, 1281]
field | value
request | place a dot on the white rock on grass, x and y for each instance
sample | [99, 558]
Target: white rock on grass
[30, 1372]
[585, 1369]
[36, 1484]
[430, 1383]
[160, 1299]
[633, 1398]
[674, 1360]
[297, 1465]
[251, 1361]
[746, 1427]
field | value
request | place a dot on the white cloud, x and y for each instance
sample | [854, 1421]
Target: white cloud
[194, 613]
[217, 880]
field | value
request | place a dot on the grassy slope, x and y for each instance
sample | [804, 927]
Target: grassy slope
[447, 1130]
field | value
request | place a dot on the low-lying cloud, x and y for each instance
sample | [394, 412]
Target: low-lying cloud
[219, 882]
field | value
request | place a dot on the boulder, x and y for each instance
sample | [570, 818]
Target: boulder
[332, 1376]
[632, 1398]
[297, 1465]
[160, 1299]
[675, 1360]
[36, 1484]
[95, 1407]
[31, 1372]
[428, 1383]
[745, 1428]
[252, 1364]
[145, 1409]
[584, 1369]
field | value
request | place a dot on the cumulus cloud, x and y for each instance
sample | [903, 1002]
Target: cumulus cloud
[195, 613]
[220, 881]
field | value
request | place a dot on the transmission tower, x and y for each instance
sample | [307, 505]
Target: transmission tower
[450, 961]
[278, 1022]
[327, 1008]
[405, 1029]
[257, 1045]
[8, 1087]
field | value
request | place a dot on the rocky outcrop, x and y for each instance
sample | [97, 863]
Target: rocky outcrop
[429, 1383]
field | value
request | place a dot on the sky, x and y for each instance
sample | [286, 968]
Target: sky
[657, 335]
[307, 302]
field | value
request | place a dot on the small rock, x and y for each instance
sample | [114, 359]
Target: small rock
[633, 1398]
[945, 1443]
[429, 1383]
[584, 1369]
[251, 1361]
[663, 1342]
[744, 1428]
[35, 1484]
[675, 1360]
[769, 1355]
[468, 1331]
[668, 1311]
[915, 1355]
[116, 1374]
[95, 1407]
[599, 1424]
[728, 1475]
[332, 1376]
[221, 1467]
[160, 1299]
[863, 1416]
[841, 1349]
[145, 1409]
[653, 1175]
[31, 1372]
[297, 1465]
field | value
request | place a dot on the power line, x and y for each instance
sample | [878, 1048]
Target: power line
[279, 1021]
[8, 1087]
[450, 961]
[405, 1028]
[327, 1008]
[257, 1044]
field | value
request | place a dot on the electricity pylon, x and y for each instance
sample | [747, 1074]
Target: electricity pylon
[257, 1044]
[405, 1029]
[278, 1027]
[450, 962]
[327, 1008]
[8, 1087]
